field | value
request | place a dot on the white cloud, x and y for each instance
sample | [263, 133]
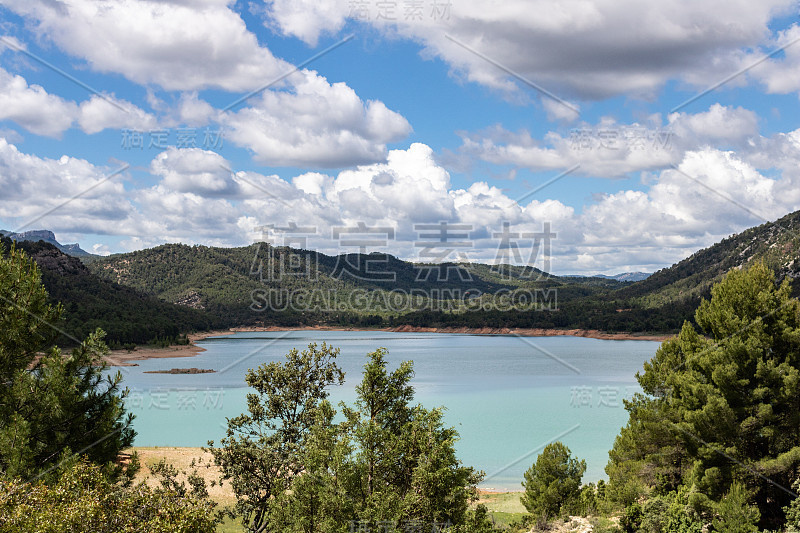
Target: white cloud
[610, 149]
[42, 113]
[32, 107]
[312, 182]
[590, 50]
[711, 194]
[306, 19]
[97, 114]
[66, 194]
[317, 124]
[781, 75]
[176, 45]
[192, 170]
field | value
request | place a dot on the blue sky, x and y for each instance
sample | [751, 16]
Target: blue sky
[437, 117]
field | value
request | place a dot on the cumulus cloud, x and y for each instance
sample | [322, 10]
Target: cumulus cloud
[305, 19]
[609, 149]
[42, 113]
[97, 114]
[32, 107]
[780, 74]
[589, 50]
[316, 124]
[66, 194]
[176, 45]
[710, 194]
[303, 120]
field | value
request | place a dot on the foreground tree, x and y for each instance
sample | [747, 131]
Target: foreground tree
[51, 404]
[388, 465]
[406, 467]
[553, 483]
[722, 408]
[793, 512]
[263, 450]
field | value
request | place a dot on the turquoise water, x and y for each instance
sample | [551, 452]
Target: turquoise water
[507, 396]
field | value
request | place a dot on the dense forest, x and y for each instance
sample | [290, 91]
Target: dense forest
[125, 314]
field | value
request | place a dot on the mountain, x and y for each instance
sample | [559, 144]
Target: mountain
[349, 288]
[776, 243]
[48, 237]
[125, 314]
[626, 276]
[234, 285]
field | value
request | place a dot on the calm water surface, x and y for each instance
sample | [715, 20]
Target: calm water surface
[507, 396]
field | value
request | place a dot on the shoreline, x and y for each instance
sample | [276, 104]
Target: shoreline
[126, 358]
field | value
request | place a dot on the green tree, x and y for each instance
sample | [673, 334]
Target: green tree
[735, 513]
[721, 408]
[263, 450]
[552, 484]
[84, 500]
[670, 513]
[793, 512]
[406, 465]
[386, 462]
[51, 404]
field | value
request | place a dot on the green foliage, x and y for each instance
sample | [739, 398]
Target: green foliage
[670, 513]
[233, 284]
[388, 464]
[735, 514]
[84, 500]
[718, 408]
[125, 314]
[793, 512]
[405, 459]
[263, 450]
[631, 519]
[51, 404]
[552, 483]
[588, 500]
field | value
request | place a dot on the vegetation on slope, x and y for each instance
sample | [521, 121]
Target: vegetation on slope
[125, 314]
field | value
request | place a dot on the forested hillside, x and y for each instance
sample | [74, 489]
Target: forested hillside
[776, 243]
[125, 314]
[223, 282]
[132, 295]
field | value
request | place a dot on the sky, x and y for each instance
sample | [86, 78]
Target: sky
[584, 137]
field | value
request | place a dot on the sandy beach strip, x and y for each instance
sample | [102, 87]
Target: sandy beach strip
[129, 358]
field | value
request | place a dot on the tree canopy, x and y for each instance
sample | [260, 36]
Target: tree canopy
[51, 404]
[384, 463]
[552, 484]
[720, 410]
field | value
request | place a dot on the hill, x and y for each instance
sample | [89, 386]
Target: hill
[350, 289]
[239, 286]
[626, 276]
[776, 243]
[125, 314]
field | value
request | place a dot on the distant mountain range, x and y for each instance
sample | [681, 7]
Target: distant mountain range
[625, 276]
[190, 287]
[48, 237]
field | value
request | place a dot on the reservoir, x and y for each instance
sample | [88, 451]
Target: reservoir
[507, 396]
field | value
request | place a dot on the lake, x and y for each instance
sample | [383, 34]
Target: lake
[507, 396]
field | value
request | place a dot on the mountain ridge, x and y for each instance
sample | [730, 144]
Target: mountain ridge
[49, 237]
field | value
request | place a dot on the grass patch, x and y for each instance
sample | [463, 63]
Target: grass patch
[504, 507]
[230, 525]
